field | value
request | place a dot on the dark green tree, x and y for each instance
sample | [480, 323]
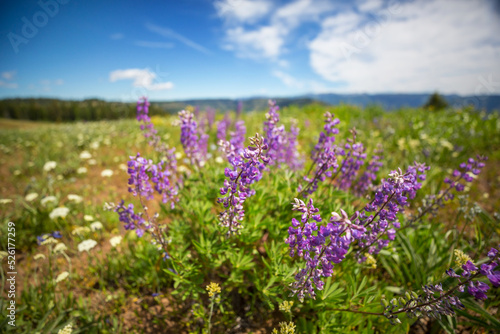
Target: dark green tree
[436, 102]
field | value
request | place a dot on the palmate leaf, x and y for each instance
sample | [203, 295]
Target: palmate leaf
[331, 291]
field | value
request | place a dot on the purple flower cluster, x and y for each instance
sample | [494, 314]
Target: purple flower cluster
[237, 137]
[354, 158]
[326, 167]
[435, 302]
[275, 135]
[470, 271]
[321, 247]
[195, 149]
[365, 181]
[151, 133]
[222, 127]
[465, 172]
[142, 172]
[324, 156]
[282, 145]
[326, 137]
[433, 202]
[130, 219]
[380, 215]
[292, 156]
[246, 169]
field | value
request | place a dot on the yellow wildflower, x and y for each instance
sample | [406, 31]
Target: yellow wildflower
[213, 288]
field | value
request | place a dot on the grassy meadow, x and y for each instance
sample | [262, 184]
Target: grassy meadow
[125, 286]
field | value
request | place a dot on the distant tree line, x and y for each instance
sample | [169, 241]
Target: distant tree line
[55, 110]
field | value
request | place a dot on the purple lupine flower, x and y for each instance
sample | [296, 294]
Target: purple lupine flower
[275, 135]
[465, 172]
[138, 182]
[324, 156]
[326, 166]
[434, 202]
[434, 301]
[353, 160]
[130, 219]
[189, 139]
[327, 137]
[142, 172]
[222, 127]
[292, 156]
[389, 200]
[238, 135]
[365, 181]
[321, 247]
[246, 169]
[150, 133]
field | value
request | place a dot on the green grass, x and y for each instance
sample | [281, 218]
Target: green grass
[109, 290]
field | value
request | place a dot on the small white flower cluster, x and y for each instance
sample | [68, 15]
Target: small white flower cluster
[86, 245]
[60, 212]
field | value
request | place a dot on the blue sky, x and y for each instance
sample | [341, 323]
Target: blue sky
[168, 50]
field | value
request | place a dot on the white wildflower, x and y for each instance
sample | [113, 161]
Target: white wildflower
[107, 173]
[62, 276]
[92, 162]
[115, 241]
[31, 197]
[48, 199]
[59, 248]
[17, 172]
[94, 145]
[123, 167]
[88, 218]
[85, 155]
[68, 329]
[39, 257]
[96, 226]
[75, 198]
[81, 170]
[61, 212]
[80, 230]
[49, 165]
[5, 200]
[86, 245]
[49, 241]
[219, 160]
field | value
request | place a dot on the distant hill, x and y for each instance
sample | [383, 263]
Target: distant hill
[397, 101]
[250, 104]
[45, 109]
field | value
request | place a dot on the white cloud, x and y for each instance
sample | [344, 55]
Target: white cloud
[141, 78]
[288, 80]
[370, 5]
[419, 46]
[4, 84]
[58, 82]
[246, 11]
[154, 45]
[8, 75]
[169, 33]
[267, 41]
